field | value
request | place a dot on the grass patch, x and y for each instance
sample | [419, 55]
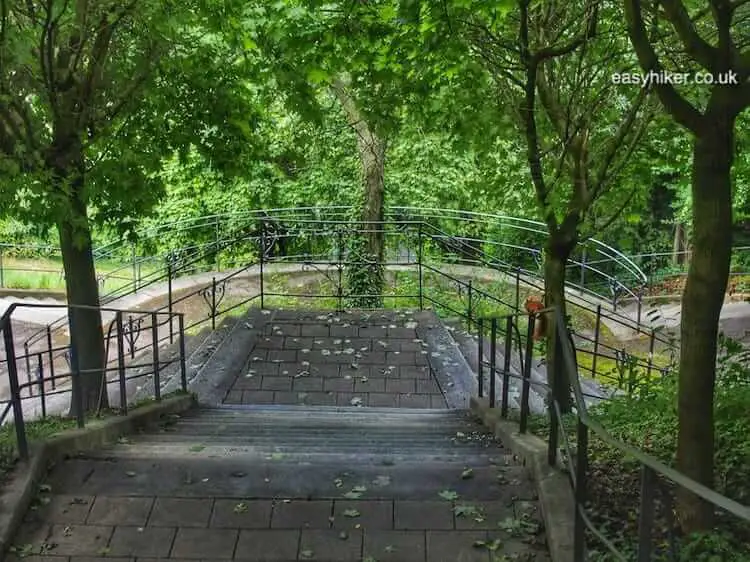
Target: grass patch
[47, 274]
[36, 430]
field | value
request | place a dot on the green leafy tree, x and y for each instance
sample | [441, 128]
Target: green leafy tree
[713, 37]
[93, 95]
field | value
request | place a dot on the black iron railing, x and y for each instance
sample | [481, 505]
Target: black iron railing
[658, 480]
[65, 387]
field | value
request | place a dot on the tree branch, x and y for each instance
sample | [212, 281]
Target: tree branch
[616, 142]
[681, 110]
[703, 53]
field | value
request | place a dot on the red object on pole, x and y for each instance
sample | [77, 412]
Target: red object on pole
[533, 305]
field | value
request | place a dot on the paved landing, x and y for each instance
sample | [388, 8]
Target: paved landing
[454, 495]
[348, 359]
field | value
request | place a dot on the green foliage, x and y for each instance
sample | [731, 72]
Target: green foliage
[649, 422]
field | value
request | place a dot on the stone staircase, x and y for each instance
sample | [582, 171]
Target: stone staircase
[298, 480]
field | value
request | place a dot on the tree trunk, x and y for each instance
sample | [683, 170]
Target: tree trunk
[702, 301]
[372, 155]
[366, 276]
[557, 252]
[679, 256]
[86, 334]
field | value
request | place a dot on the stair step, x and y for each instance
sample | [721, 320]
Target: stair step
[321, 477]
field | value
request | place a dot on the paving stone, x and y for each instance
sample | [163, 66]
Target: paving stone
[242, 514]
[314, 330]
[267, 546]
[271, 342]
[153, 542]
[394, 546]
[282, 356]
[247, 383]
[79, 540]
[340, 331]
[411, 515]
[338, 385]
[382, 400]
[326, 371]
[400, 386]
[405, 333]
[276, 383]
[372, 514]
[373, 358]
[261, 368]
[287, 397]
[298, 514]
[298, 343]
[329, 545]
[257, 397]
[318, 398]
[345, 398]
[370, 385]
[414, 372]
[181, 512]
[374, 332]
[489, 514]
[63, 509]
[308, 383]
[455, 546]
[205, 543]
[120, 511]
[414, 400]
[233, 396]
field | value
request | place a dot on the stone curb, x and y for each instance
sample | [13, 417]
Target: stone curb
[33, 293]
[555, 494]
[17, 494]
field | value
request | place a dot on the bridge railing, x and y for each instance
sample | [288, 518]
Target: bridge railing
[658, 482]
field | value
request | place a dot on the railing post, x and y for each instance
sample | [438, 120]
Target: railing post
[261, 259]
[506, 366]
[640, 308]
[51, 357]
[518, 289]
[597, 329]
[554, 422]
[469, 306]
[27, 360]
[419, 268]
[75, 372]
[527, 374]
[340, 258]
[121, 364]
[213, 303]
[15, 393]
[583, 267]
[493, 365]
[135, 267]
[40, 380]
[216, 244]
[651, 342]
[480, 361]
[2, 267]
[183, 358]
[646, 516]
[170, 263]
[155, 345]
[579, 529]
